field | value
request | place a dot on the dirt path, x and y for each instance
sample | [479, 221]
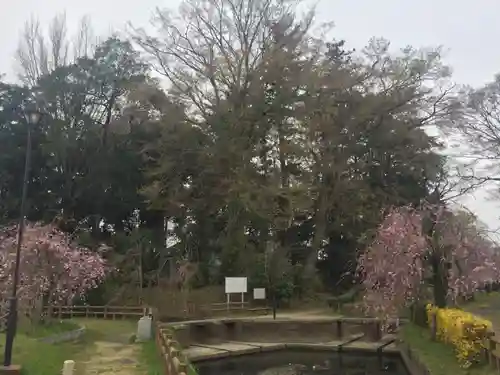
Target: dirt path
[112, 358]
[302, 315]
[111, 351]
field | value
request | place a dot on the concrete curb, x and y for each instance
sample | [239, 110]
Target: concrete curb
[65, 336]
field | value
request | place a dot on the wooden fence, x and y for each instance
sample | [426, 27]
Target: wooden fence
[104, 312]
[125, 312]
[174, 361]
[492, 351]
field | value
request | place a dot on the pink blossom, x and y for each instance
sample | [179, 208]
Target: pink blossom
[52, 266]
[394, 268]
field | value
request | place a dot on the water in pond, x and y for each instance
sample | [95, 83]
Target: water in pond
[295, 362]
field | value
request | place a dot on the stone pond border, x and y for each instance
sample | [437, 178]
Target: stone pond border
[64, 336]
[293, 330]
[170, 337]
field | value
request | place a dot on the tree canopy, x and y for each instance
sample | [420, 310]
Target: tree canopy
[236, 137]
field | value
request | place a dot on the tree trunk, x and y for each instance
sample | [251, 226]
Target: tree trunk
[439, 280]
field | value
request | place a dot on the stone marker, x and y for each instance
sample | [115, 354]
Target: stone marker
[144, 327]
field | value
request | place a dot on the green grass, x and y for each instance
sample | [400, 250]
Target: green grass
[438, 357]
[150, 358]
[44, 330]
[482, 300]
[39, 358]
[99, 329]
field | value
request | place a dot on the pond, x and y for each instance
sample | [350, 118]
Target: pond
[305, 362]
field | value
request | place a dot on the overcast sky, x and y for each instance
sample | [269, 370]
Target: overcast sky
[468, 30]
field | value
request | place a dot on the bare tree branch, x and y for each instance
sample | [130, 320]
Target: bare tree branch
[213, 48]
[38, 55]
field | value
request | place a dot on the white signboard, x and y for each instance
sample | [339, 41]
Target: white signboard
[259, 293]
[236, 285]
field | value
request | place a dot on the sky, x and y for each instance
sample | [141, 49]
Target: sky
[468, 31]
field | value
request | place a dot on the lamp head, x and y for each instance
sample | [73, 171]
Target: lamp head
[33, 117]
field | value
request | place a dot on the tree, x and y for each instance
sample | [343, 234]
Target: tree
[54, 270]
[38, 56]
[209, 51]
[286, 135]
[268, 150]
[478, 121]
[429, 247]
[86, 165]
[369, 145]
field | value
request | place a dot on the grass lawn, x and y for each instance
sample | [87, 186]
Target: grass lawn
[150, 358]
[39, 358]
[44, 330]
[101, 329]
[438, 357]
[486, 305]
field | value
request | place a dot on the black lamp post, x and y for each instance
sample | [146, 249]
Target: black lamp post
[32, 119]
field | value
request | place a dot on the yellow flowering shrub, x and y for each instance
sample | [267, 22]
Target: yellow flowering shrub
[465, 331]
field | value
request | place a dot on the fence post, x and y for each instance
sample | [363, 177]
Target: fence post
[491, 348]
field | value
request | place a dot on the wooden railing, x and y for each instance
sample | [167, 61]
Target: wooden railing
[493, 351]
[104, 312]
[174, 361]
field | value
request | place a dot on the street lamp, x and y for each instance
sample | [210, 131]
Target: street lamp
[32, 118]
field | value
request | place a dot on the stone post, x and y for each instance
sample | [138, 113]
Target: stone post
[68, 367]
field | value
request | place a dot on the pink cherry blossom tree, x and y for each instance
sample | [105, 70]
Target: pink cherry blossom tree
[53, 269]
[418, 252]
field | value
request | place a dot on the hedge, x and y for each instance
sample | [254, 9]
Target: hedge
[465, 331]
